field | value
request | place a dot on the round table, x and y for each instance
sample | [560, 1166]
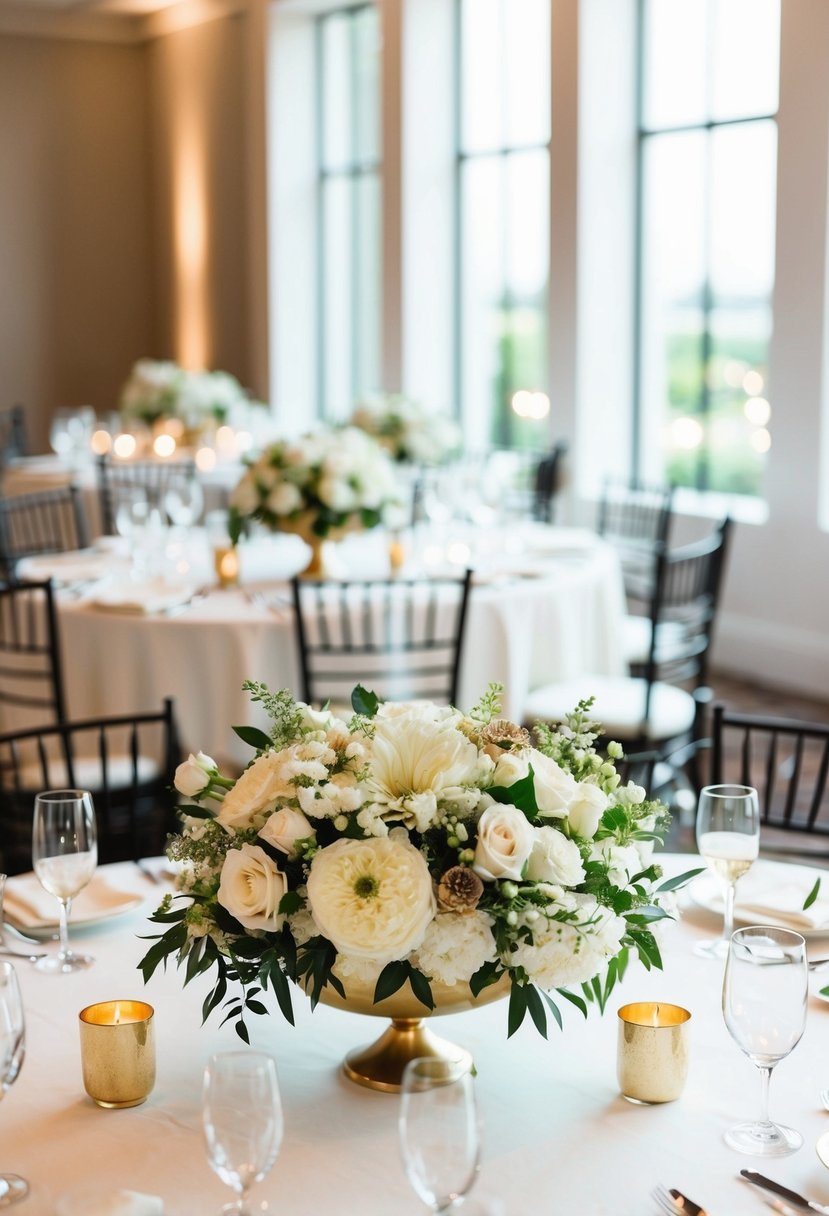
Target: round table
[535, 614]
[558, 1138]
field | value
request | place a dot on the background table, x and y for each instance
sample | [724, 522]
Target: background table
[522, 631]
[558, 1138]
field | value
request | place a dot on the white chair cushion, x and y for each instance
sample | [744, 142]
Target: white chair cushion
[636, 639]
[619, 706]
[87, 771]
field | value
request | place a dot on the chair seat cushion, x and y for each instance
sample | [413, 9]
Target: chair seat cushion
[88, 772]
[619, 705]
[636, 639]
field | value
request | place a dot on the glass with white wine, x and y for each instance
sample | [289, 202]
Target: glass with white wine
[728, 839]
[65, 854]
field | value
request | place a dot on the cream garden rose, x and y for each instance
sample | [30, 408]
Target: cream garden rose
[372, 898]
[505, 841]
[251, 888]
[284, 828]
[193, 776]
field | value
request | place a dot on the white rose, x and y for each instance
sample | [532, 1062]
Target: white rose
[509, 768]
[555, 859]
[193, 775]
[284, 498]
[372, 898]
[336, 494]
[284, 828]
[505, 841]
[245, 498]
[554, 788]
[251, 888]
[585, 811]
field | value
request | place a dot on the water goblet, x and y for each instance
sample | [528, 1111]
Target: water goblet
[243, 1122]
[439, 1130]
[12, 1051]
[183, 502]
[65, 854]
[728, 838]
[764, 1006]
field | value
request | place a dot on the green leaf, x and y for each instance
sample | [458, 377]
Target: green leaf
[256, 1006]
[391, 978]
[812, 896]
[486, 975]
[574, 1000]
[192, 811]
[556, 1012]
[290, 902]
[249, 947]
[536, 1007]
[646, 915]
[242, 1031]
[214, 997]
[521, 795]
[282, 990]
[235, 524]
[171, 941]
[254, 737]
[671, 884]
[364, 702]
[421, 987]
[517, 1007]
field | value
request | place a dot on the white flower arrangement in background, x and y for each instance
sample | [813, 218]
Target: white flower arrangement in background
[160, 389]
[320, 486]
[407, 430]
[414, 844]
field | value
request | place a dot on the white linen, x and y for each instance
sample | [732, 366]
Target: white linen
[112, 890]
[140, 597]
[91, 1201]
[773, 891]
[558, 1138]
[520, 631]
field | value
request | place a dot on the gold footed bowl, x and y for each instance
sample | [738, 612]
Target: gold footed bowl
[380, 1065]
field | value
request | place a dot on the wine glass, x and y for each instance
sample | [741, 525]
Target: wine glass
[243, 1124]
[439, 1130]
[764, 1006]
[65, 853]
[60, 434]
[183, 502]
[728, 838]
[12, 1051]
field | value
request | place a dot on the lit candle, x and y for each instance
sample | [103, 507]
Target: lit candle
[226, 565]
[124, 445]
[164, 445]
[205, 459]
[101, 442]
[652, 1058]
[118, 1052]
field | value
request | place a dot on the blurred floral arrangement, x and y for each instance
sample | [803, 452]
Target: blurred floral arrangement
[158, 390]
[414, 844]
[319, 486]
[407, 430]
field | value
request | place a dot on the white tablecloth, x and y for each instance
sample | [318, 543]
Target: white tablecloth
[558, 1138]
[522, 631]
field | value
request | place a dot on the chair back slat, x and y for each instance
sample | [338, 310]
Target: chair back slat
[30, 664]
[51, 521]
[402, 637]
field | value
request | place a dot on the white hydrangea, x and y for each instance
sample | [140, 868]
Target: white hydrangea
[563, 954]
[455, 947]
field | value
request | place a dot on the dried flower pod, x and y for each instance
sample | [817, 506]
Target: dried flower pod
[459, 890]
[501, 735]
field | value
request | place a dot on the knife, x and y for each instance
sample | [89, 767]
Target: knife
[783, 1191]
[686, 1204]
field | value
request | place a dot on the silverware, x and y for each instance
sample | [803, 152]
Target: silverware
[32, 958]
[7, 928]
[768, 1184]
[814, 963]
[674, 1203]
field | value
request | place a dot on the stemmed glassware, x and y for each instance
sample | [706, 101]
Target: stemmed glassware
[243, 1123]
[183, 502]
[439, 1130]
[764, 1005]
[12, 1050]
[728, 838]
[65, 854]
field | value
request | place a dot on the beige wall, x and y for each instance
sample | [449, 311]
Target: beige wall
[75, 267]
[197, 104]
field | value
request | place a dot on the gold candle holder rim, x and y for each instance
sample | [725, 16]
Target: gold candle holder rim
[147, 1015]
[641, 1013]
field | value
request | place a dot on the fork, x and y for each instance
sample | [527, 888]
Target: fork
[673, 1203]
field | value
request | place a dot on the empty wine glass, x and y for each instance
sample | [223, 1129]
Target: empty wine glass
[61, 439]
[728, 838]
[65, 854]
[243, 1123]
[12, 1050]
[439, 1130]
[764, 1005]
[184, 502]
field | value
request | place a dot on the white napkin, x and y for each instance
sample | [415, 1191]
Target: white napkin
[141, 599]
[82, 565]
[110, 1203]
[776, 891]
[27, 904]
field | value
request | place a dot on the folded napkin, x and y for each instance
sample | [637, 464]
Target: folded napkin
[110, 1203]
[120, 888]
[141, 598]
[776, 891]
[82, 565]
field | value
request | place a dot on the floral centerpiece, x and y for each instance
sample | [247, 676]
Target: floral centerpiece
[319, 486]
[160, 389]
[417, 846]
[407, 430]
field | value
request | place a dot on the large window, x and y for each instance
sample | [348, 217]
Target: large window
[708, 147]
[503, 219]
[349, 245]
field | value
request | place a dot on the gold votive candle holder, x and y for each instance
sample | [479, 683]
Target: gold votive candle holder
[118, 1052]
[652, 1056]
[226, 565]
